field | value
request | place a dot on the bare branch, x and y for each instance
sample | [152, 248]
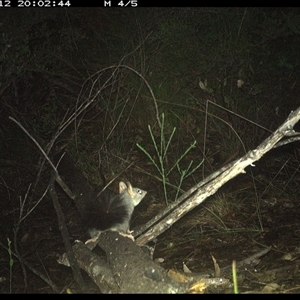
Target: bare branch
[209, 186]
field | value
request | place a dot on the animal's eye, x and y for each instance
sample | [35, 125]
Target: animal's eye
[139, 192]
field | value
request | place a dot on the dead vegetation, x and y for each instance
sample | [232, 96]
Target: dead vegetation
[223, 98]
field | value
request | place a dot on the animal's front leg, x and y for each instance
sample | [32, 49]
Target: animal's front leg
[128, 234]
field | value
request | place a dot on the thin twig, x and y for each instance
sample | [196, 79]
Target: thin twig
[35, 141]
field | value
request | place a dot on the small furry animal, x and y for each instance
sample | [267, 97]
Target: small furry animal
[112, 212]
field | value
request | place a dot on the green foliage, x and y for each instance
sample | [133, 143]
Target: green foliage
[161, 163]
[11, 263]
[235, 278]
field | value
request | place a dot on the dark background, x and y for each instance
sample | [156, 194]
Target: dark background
[223, 77]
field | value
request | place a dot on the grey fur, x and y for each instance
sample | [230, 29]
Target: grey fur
[114, 210]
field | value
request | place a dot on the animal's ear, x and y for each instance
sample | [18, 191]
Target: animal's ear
[129, 189]
[122, 187]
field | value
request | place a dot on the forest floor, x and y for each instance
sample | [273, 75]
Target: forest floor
[248, 215]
